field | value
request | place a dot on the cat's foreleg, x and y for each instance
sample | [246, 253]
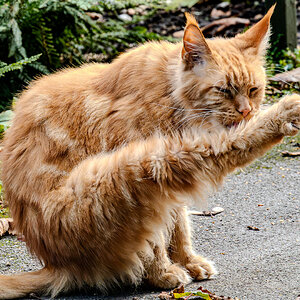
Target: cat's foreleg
[181, 249]
[253, 139]
[160, 271]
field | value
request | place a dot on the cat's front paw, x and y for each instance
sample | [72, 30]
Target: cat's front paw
[290, 115]
[200, 268]
[173, 276]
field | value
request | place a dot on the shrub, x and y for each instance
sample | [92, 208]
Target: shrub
[64, 33]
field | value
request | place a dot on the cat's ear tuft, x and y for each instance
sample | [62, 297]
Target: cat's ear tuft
[195, 49]
[256, 39]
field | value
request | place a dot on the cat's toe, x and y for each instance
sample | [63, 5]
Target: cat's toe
[200, 268]
[290, 128]
[290, 115]
[173, 277]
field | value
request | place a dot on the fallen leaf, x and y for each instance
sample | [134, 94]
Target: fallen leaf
[217, 13]
[289, 76]
[214, 296]
[226, 22]
[253, 228]
[290, 154]
[179, 293]
[165, 296]
[216, 210]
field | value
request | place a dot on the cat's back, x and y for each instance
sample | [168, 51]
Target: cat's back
[39, 139]
[62, 118]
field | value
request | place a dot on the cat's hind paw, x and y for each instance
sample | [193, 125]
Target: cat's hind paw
[200, 268]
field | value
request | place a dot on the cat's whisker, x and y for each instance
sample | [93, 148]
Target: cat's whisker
[186, 118]
[192, 118]
[187, 121]
[182, 109]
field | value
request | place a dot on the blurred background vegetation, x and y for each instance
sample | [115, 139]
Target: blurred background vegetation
[40, 36]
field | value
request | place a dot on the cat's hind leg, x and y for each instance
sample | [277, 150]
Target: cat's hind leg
[181, 249]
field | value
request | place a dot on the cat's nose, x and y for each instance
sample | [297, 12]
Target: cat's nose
[243, 105]
[245, 111]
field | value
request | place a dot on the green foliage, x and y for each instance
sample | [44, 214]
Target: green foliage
[64, 33]
[4, 67]
[181, 3]
[203, 296]
[5, 118]
[290, 59]
[281, 61]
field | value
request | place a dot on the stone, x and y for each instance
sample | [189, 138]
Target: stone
[125, 17]
[178, 34]
[131, 11]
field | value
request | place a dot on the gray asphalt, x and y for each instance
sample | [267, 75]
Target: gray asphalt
[262, 264]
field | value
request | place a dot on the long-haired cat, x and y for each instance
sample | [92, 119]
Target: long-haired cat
[100, 160]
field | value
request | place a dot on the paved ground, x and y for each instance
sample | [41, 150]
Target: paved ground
[252, 265]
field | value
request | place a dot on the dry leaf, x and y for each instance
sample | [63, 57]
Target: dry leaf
[165, 296]
[253, 228]
[217, 13]
[208, 213]
[179, 293]
[226, 22]
[289, 76]
[290, 154]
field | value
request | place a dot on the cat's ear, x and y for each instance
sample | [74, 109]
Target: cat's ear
[255, 40]
[195, 49]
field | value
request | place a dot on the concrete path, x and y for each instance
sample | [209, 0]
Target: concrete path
[263, 264]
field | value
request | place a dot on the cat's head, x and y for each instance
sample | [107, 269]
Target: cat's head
[224, 79]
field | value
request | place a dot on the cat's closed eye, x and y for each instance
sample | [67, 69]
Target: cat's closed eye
[252, 91]
[227, 92]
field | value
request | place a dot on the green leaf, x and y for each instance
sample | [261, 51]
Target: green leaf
[204, 296]
[3, 28]
[18, 65]
[181, 3]
[16, 32]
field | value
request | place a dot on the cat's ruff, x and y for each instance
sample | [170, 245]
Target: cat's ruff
[99, 160]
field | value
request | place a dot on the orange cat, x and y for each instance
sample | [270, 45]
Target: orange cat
[100, 160]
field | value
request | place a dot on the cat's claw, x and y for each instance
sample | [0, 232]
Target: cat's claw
[200, 268]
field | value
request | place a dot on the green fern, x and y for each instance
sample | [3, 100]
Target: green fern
[4, 67]
[64, 34]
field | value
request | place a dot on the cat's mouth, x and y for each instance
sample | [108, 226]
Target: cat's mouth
[232, 125]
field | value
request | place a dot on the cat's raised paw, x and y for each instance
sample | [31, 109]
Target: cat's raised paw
[290, 112]
[200, 268]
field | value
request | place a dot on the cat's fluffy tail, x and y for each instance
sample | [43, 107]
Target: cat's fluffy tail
[43, 281]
